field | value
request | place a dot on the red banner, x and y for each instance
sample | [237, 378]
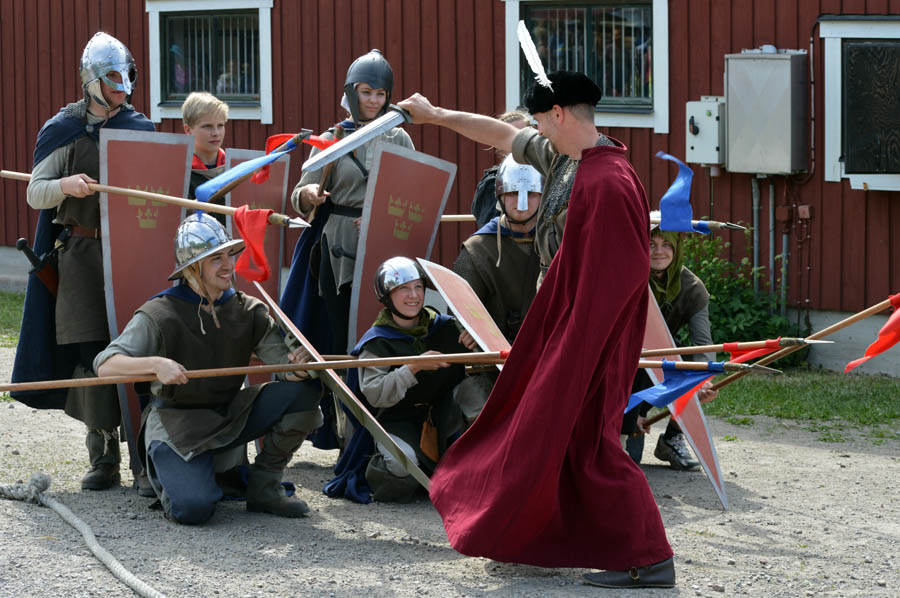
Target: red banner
[138, 234]
[405, 198]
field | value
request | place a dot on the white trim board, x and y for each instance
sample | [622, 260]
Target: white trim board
[658, 119]
[263, 112]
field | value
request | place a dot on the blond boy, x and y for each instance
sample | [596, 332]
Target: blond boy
[204, 116]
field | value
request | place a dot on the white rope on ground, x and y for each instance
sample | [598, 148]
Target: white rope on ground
[33, 492]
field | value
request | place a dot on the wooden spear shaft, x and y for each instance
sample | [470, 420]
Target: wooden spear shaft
[871, 311]
[744, 346]
[279, 219]
[465, 358]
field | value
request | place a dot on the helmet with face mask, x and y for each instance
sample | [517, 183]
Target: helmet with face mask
[522, 179]
[199, 236]
[374, 70]
[103, 55]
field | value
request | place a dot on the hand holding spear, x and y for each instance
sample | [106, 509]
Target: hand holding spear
[274, 218]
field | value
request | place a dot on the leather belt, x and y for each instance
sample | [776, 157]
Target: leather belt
[346, 211]
[83, 231]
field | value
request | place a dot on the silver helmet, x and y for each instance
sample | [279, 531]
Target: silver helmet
[374, 69]
[199, 236]
[395, 272]
[102, 55]
[518, 178]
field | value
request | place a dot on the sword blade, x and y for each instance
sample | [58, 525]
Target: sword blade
[393, 117]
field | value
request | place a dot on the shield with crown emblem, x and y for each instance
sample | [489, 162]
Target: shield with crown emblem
[138, 234]
[405, 197]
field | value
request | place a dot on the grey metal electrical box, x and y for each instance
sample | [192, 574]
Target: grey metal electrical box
[766, 116]
[705, 139]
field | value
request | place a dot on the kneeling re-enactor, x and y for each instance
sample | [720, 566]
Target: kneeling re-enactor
[189, 421]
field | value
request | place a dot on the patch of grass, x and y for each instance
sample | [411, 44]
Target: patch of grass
[730, 438]
[11, 305]
[740, 421]
[813, 395]
[4, 397]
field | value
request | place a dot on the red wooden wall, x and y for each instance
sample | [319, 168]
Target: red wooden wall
[452, 51]
[846, 262]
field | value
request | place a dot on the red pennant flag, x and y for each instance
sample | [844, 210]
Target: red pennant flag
[681, 402]
[887, 337]
[742, 356]
[262, 175]
[252, 226]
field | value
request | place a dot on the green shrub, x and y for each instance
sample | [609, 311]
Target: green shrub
[736, 313]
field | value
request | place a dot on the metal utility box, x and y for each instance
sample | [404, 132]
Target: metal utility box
[705, 138]
[766, 118]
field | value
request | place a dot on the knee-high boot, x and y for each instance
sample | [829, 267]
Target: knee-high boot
[264, 490]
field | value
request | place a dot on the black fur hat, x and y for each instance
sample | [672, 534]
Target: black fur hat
[569, 88]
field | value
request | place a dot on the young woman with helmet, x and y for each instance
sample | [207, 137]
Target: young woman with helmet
[204, 323]
[416, 404]
[60, 336]
[367, 94]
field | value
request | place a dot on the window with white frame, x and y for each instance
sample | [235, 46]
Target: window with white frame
[611, 41]
[222, 47]
[862, 131]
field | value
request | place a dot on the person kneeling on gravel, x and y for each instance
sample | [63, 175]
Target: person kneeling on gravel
[417, 404]
[204, 323]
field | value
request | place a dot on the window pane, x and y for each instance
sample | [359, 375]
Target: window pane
[611, 43]
[216, 53]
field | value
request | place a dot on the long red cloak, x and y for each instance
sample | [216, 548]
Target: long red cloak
[541, 477]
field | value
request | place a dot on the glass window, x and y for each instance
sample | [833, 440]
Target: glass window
[218, 53]
[612, 43]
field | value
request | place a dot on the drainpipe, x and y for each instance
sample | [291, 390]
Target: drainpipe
[754, 188]
[785, 254]
[772, 238]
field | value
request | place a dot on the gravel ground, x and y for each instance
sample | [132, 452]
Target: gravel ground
[807, 518]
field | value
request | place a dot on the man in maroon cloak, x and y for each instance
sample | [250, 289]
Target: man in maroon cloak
[541, 478]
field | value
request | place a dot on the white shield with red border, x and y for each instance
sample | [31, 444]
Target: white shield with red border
[138, 234]
[691, 419]
[405, 197]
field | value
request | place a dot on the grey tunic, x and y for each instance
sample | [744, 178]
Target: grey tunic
[348, 188]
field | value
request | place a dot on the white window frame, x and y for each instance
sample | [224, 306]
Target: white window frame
[658, 119]
[834, 32]
[263, 112]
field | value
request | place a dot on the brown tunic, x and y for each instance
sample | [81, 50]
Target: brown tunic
[207, 413]
[506, 291]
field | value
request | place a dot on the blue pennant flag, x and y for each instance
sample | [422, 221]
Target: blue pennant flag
[212, 186]
[676, 384]
[675, 205]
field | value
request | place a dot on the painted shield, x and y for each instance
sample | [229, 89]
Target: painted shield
[467, 307]
[267, 196]
[691, 419]
[405, 198]
[138, 234]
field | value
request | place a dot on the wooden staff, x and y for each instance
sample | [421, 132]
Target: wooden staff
[479, 358]
[465, 358]
[743, 346]
[871, 311]
[274, 218]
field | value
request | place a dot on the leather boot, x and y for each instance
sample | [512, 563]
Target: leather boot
[264, 490]
[265, 494]
[103, 451]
